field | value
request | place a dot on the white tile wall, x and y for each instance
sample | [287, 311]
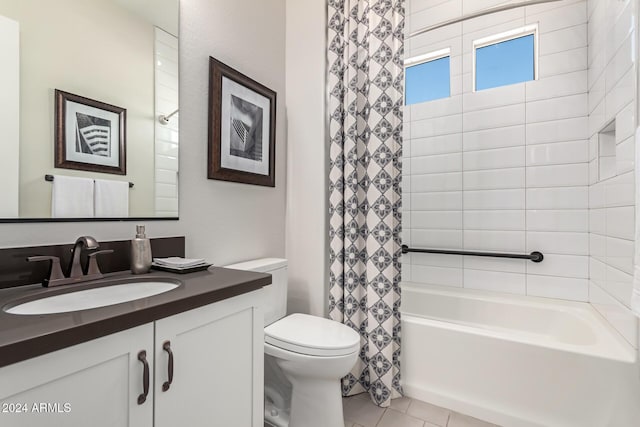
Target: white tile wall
[558, 131]
[558, 220]
[563, 39]
[166, 136]
[561, 266]
[437, 275]
[444, 144]
[616, 313]
[441, 238]
[495, 138]
[612, 95]
[557, 85]
[557, 287]
[495, 264]
[512, 283]
[562, 62]
[494, 199]
[558, 198]
[435, 182]
[505, 169]
[558, 242]
[511, 220]
[436, 164]
[494, 178]
[493, 159]
[494, 118]
[571, 175]
[443, 201]
[558, 153]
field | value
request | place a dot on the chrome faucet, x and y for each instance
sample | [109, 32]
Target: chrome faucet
[84, 242]
[76, 273]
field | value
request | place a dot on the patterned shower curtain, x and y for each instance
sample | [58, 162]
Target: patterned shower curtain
[365, 53]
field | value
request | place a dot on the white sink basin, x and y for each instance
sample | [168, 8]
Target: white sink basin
[93, 298]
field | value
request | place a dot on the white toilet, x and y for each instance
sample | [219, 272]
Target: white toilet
[305, 357]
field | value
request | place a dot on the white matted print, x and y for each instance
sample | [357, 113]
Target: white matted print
[242, 127]
[245, 119]
[92, 135]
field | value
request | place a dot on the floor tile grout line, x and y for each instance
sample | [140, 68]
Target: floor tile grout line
[447, 423]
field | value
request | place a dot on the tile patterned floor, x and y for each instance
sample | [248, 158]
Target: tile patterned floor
[404, 412]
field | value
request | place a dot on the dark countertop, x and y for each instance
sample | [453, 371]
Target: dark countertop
[25, 336]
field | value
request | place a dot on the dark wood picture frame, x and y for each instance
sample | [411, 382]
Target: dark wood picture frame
[218, 70]
[61, 158]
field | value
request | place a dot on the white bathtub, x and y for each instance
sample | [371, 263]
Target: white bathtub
[515, 360]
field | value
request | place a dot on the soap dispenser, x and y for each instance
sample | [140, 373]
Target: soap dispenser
[140, 252]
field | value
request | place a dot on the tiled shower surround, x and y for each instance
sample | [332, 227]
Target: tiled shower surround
[511, 169]
[612, 89]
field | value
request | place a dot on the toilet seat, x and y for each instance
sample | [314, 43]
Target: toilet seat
[312, 336]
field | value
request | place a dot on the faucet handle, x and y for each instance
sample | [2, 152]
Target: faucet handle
[55, 271]
[93, 262]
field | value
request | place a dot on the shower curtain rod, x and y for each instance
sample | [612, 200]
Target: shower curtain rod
[480, 13]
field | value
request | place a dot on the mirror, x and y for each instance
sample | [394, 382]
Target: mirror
[90, 91]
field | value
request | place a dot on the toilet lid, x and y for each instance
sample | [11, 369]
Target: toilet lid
[312, 335]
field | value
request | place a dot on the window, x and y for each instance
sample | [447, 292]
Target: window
[505, 59]
[427, 77]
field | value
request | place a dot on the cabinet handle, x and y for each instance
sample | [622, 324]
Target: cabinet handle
[142, 356]
[167, 347]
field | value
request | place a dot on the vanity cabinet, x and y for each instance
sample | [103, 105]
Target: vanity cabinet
[96, 384]
[217, 357]
[218, 353]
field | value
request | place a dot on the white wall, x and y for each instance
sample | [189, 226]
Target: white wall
[10, 116]
[612, 95]
[503, 169]
[223, 222]
[307, 168]
[228, 221]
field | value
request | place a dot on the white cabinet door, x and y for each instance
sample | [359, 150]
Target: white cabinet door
[95, 384]
[218, 365]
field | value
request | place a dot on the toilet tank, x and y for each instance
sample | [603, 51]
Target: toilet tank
[275, 294]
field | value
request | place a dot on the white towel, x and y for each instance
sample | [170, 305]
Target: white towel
[635, 296]
[111, 199]
[71, 197]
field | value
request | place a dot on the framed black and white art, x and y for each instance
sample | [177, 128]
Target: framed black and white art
[89, 135]
[242, 127]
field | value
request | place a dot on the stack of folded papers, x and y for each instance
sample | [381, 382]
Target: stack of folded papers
[178, 263]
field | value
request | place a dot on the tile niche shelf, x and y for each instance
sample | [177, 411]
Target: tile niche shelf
[607, 151]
